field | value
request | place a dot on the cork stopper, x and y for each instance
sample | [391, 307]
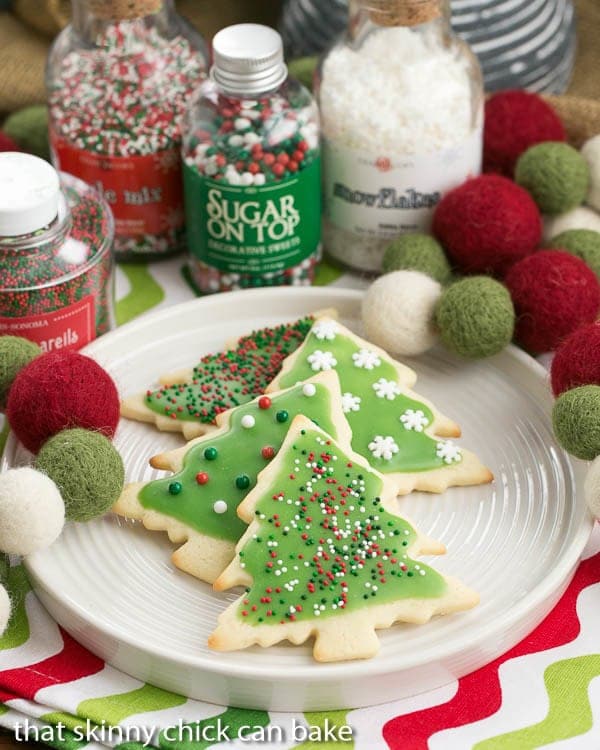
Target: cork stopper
[122, 10]
[403, 12]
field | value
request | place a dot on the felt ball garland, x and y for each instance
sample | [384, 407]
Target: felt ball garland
[65, 406]
[514, 121]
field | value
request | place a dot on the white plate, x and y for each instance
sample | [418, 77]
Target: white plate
[111, 585]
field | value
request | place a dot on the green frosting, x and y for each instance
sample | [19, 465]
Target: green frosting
[225, 380]
[218, 473]
[387, 426]
[325, 544]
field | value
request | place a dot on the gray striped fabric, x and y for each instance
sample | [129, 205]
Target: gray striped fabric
[520, 43]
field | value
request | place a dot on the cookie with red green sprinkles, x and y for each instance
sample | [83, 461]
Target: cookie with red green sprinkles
[191, 400]
[326, 554]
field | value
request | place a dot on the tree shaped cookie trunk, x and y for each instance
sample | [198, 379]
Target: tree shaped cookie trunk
[189, 401]
[325, 556]
[197, 505]
[400, 433]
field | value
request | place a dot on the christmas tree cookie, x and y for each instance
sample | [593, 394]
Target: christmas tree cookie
[326, 556]
[189, 401]
[197, 505]
[400, 433]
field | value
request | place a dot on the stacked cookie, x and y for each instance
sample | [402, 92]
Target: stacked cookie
[291, 492]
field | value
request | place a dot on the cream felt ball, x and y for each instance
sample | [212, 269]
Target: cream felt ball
[579, 218]
[592, 488]
[4, 609]
[591, 153]
[398, 311]
[32, 512]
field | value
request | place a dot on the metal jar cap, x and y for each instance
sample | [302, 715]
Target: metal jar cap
[29, 193]
[248, 59]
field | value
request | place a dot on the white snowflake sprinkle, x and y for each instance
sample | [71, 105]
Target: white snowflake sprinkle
[383, 447]
[366, 358]
[319, 360]
[325, 330]
[449, 452]
[386, 389]
[414, 420]
[350, 402]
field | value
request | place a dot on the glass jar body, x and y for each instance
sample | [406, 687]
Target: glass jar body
[57, 285]
[402, 120]
[117, 89]
[252, 187]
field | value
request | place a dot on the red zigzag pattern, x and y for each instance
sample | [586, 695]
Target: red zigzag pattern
[72, 663]
[479, 694]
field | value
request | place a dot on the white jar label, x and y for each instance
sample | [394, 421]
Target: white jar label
[378, 195]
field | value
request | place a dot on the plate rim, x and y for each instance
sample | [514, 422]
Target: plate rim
[317, 672]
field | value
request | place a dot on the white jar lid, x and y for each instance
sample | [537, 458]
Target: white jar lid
[248, 59]
[29, 193]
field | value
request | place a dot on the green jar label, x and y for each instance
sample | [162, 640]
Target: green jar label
[255, 229]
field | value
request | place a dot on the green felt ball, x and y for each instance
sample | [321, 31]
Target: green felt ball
[556, 175]
[28, 127]
[418, 252]
[584, 243]
[475, 317]
[576, 420]
[86, 468]
[15, 353]
[303, 70]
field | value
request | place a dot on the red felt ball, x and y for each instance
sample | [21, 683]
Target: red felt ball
[7, 144]
[577, 361]
[514, 121]
[487, 224]
[554, 294]
[59, 390]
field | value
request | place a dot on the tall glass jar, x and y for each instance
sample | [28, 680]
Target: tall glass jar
[251, 168]
[119, 78]
[401, 103]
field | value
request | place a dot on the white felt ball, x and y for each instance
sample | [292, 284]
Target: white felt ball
[32, 512]
[578, 218]
[591, 153]
[4, 609]
[592, 488]
[398, 312]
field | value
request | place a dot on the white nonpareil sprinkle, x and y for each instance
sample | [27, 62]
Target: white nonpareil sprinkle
[400, 92]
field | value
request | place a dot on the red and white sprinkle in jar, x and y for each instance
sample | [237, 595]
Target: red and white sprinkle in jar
[118, 81]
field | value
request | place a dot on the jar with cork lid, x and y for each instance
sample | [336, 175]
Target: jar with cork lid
[401, 100]
[118, 79]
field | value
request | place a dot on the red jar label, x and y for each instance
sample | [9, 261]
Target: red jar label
[68, 328]
[145, 193]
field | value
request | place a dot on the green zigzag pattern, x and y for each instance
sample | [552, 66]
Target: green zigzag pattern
[17, 632]
[144, 293]
[569, 714]
[339, 718]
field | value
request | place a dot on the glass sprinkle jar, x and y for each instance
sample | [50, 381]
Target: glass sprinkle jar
[251, 168]
[56, 232]
[401, 100]
[118, 79]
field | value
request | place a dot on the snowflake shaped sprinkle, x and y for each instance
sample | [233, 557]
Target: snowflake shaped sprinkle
[386, 389]
[350, 402]
[383, 447]
[325, 330]
[322, 361]
[366, 358]
[449, 452]
[414, 420]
